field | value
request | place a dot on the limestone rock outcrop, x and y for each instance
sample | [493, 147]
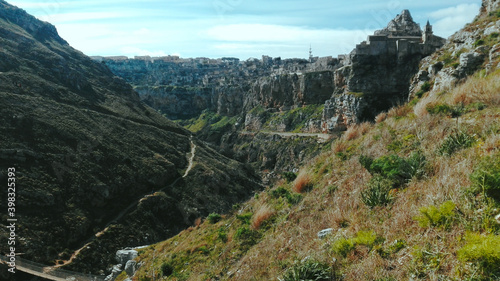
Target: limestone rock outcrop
[465, 52]
[376, 73]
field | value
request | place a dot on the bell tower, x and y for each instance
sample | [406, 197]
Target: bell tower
[427, 32]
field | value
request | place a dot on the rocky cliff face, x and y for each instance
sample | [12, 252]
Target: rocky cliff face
[377, 73]
[475, 46]
[372, 78]
[86, 150]
[182, 88]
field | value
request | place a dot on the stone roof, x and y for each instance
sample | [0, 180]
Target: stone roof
[401, 25]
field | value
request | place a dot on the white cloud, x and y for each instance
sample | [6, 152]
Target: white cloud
[450, 20]
[273, 39]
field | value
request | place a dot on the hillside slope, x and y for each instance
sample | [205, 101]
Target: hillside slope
[85, 148]
[413, 196]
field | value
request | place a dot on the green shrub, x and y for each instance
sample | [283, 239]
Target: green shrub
[365, 161]
[245, 218]
[397, 169]
[483, 249]
[433, 216]
[292, 198]
[378, 192]
[479, 42]
[309, 270]
[289, 176]
[486, 176]
[343, 246]
[167, 269]
[456, 141]
[279, 192]
[445, 109]
[426, 86]
[423, 89]
[247, 237]
[214, 218]
[367, 238]
[222, 235]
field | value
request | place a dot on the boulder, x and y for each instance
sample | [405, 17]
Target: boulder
[117, 269]
[123, 256]
[131, 267]
[323, 233]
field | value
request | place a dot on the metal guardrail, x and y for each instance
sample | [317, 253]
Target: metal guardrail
[51, 273]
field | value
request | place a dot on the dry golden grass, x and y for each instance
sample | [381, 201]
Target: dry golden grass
[421, 108]
[355, 131]
[292, 237]
[492, 144]
[381, 117]
[263, 213]
[303, 182]
[351, 133]
[197, 222]
[399, 111]
[339, 146]
[484, 90]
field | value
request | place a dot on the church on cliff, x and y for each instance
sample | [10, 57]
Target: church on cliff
[401, 37]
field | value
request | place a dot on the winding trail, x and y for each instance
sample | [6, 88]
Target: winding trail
[61, 263]
[191, 159]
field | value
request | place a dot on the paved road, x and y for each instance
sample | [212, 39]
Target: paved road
[321, 137]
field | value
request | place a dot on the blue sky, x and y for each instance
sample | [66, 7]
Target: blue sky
[235, 28]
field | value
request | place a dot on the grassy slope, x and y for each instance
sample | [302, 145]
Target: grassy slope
[407, 238]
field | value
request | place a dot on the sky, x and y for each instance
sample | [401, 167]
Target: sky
[235, 28]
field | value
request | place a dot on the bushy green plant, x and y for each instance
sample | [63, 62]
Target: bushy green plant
[423, 89]
[289, 176]
[292, 198]
[459, 139]
[398, 169]
[247, 237]
[167, 269]
[245, 218]
[378, 192]
[426, 86]
[367, 238]
[309, 270]
[222, 235]
[479, 42]
[343, 246]
[365, 161]
[445, 109]
[214, 218]
[483, 249]
[486, 176]
[433, 216]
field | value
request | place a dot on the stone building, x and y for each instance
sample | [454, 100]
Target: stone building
[401, 37]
